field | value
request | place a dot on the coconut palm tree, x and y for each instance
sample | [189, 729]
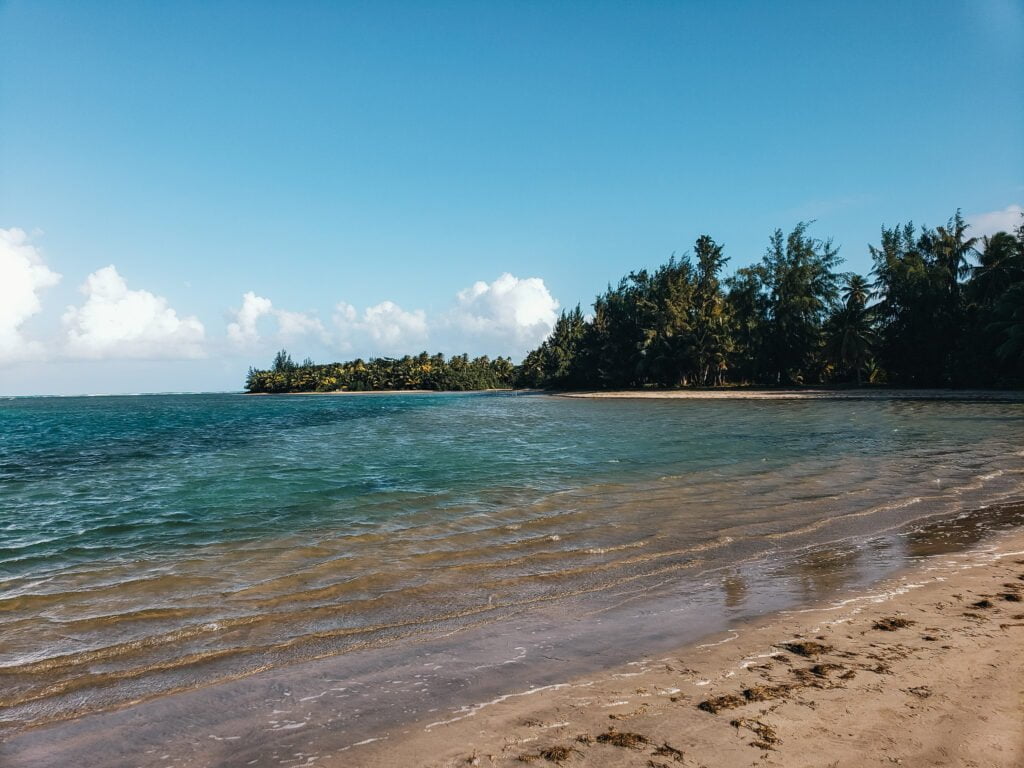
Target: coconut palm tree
[850, 328]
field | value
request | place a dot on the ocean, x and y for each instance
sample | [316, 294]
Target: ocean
[226, 553]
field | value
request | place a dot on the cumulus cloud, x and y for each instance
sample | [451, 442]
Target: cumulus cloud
[116, 321]
[509, 316]
[382, 328]
[517, 313]
[291, 324]
[244, 332]
[22, 276]
[1006, 220]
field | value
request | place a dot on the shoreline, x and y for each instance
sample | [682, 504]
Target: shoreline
[987, 395]
[653, 693]
[849, 683]
[337, 392]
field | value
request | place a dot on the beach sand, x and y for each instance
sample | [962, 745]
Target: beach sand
[926, 669]
[995, 395]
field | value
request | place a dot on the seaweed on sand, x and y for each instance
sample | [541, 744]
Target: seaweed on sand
[718, 703]
[623, 739]
[1013, 597]
[983, 603]
[893, 623]
[753, 693]
[766, 736]
[556, 754]
[817, 675]
[667, 750]
[807, 648]
[766, 692]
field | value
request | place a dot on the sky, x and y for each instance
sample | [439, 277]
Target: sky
[186, 187]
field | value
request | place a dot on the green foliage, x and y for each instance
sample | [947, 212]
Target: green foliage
[432, 372]
[944, 309]
[930, 318]
[850, 331]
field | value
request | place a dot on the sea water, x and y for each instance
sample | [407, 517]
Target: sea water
[158, 545]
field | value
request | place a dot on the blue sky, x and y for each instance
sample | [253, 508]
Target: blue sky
[385, 157]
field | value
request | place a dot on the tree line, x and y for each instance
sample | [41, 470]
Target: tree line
[423, 371]
[939, 308]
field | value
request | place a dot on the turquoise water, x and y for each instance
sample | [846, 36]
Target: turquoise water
[118, 477]
[151, 544]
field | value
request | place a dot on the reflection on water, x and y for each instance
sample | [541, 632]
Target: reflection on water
[826, 570]
[735, 590]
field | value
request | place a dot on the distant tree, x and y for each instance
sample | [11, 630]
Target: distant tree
[850, 329]
[283, 362]
[711, 331]
[798, 275]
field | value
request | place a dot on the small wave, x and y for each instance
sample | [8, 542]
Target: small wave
[616, 548]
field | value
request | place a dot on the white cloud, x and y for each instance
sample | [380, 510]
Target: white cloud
[290, 324]
[22, 276]
[382, 328]
[1006, 220]
[517, 313]
[509, 316]
[116, 321]
[244, 332]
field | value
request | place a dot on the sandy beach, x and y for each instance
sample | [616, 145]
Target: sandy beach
[923, 670]
[736, 393]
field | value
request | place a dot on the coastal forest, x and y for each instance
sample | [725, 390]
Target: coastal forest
[423, 371]
[938, 309]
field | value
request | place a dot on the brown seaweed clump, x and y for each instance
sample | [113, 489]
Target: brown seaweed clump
[807, 648]
[983, 603]
[623, 739]
[817, 675]
[747, 695]
[893, 623]
[667, 750]
[556, 754]
[766, 736]
[766, 692]
[1013, 597]
[718, 703]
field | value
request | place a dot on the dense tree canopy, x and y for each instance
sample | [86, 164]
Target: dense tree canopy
[940, 308]
[423, 371]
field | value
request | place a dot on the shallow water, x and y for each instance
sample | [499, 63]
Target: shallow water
[156, 544]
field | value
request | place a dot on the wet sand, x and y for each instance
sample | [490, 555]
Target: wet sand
[923, 670]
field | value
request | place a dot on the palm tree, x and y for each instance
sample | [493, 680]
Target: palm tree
[1001, 264]
[856, 291]
[851, 327]
[952, 247]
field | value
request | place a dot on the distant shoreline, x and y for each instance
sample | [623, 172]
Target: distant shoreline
[726, 393]
[337, 392]
[992, 395]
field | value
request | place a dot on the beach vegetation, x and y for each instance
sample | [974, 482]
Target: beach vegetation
[423, 371]
[939, 308]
